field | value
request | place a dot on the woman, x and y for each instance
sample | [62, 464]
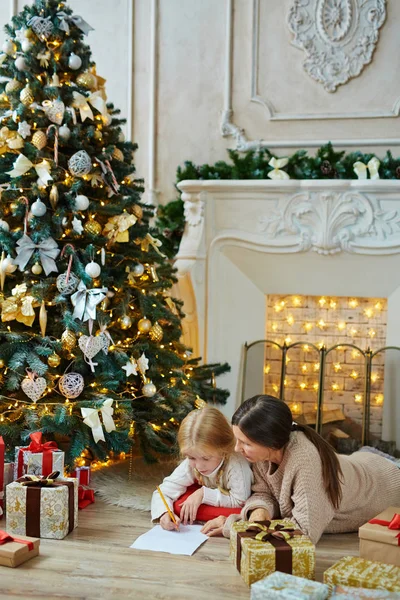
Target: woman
[299, 476]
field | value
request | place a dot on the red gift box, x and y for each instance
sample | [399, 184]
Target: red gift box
[82, 474]
[36, 446]
[205, 512]
[85, 497]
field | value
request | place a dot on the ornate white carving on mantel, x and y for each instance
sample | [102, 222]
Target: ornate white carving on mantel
[338, 36]
[329, 222]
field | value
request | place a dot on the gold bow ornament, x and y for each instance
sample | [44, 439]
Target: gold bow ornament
[148, 241]
[372, 166]
[82, 102]
[91, 418]
[44, 58]
[277, 165]
[117, 228]
[19, 306]
[10, 140]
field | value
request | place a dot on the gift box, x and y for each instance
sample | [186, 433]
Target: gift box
[38, 458]
[258, 549]
[363, 573]
[42, 508]
[2, 452]
[82, 474]
[380, 537]
[15, 551]
[85, 497]
[282, 586]
[344, 592]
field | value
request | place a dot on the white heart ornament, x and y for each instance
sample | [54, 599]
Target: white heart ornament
[105, 342]
[54, 110]
[90, 345]
[34, 388]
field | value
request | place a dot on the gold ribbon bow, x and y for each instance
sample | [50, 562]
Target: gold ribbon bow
[277, 165]
[81, 102]
[10, 140]
[117, 228]
[361, 169]
[149, 240]
[44, 58]
[19, 306]
[91, 418]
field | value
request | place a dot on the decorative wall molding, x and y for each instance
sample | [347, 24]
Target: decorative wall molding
[229, 128]
[153, 79]
[338, 37]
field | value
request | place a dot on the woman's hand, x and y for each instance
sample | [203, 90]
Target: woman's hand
[191, 506]
[215, 526]
[259, 514]
[167, 523]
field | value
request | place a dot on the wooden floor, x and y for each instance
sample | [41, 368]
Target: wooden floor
[95, 562]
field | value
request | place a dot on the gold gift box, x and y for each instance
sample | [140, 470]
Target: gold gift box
[359, 572]
[378, 542]
[256, 558]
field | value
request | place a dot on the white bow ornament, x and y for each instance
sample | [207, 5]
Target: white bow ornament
[85, 301]
[22, 165]
[81, 102]
[361, 170]
[65, 20]
[48, 251]
[91, 418]
[277, 165]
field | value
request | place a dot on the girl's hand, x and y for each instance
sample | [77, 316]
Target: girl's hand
[215, 526]
[167, 523]
[259, 514]
[191, 506]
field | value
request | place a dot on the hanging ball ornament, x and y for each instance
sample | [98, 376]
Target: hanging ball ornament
[26, 96]
[80, 163]
[118, 154]
[93, 269]
[20, 63]
[39, 140]
[138, 270]
[38, 208]
[26, 45]
[156, 332]
[9, 47]
[81, 202]
[144, 325]
[37, 269]
[98, 135]
[4, 225]
[71, 385]
[68, 340]
[125, 322]
[64, 132]
[93, 227]
[13, 86]
[137, 211]
[87, 80]
[149, 389]
[74, 61]
[53, 360]
[65, 286]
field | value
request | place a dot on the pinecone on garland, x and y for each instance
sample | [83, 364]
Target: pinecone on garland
[397, 172]
[327, 169]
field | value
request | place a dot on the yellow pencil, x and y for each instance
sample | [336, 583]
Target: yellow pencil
[167, 507]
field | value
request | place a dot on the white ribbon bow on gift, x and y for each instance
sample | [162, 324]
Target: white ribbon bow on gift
[361, 170]
[76, 20]
[91, 418]
[277, 165]
[22, 165]
[85, 301]
[81, 102]
[48, 251]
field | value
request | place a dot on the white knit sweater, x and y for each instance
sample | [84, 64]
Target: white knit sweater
[237, 479]
[295, 489]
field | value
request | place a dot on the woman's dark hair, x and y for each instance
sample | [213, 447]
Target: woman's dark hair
[268, 421]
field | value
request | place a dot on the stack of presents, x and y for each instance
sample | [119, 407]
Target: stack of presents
[38, 501]
[278, 561]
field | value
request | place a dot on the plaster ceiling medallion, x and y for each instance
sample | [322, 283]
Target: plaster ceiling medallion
[338, 36]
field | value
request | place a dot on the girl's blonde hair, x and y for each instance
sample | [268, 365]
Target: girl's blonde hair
[208, 430]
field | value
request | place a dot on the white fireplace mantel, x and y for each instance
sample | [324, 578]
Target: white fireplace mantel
[244, 239]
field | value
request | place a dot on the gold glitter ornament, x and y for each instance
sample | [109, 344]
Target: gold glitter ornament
[156, 332]
[118, 154]
[137, 211]
[125, 322]
[87, 80]
[13, 86]
[39, 140]
[53, 196]
[93, 227]
[144, 325]
[1, 363]
[98, 135]
[26, 96]
[53, 360]
[68, 340]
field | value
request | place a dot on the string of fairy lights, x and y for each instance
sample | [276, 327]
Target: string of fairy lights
[325, 322]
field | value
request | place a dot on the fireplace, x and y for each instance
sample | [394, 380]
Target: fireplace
[332, 240]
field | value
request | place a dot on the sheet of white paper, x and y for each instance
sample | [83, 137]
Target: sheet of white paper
[185, 541]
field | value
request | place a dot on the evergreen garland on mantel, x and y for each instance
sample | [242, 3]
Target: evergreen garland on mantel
[326, 164]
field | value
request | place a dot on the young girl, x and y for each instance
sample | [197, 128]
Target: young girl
[224, 478]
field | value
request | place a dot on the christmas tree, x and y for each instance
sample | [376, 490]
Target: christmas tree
[90, 338]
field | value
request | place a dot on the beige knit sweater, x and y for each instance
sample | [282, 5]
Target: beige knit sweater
[295, 490]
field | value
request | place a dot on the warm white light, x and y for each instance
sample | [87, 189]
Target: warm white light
[379, 399]
[372, 333]
[333, 304]
[358, 398]
[341, 325]
[337, 367]
[304, 368]
[353, 303]
[267, 369]
[374, 377]
[288, 340]
[274, 326]
[321, 324]
[354, 374]
[369, 313]
[296, 301]
[322, 301]
[335, 387]
[308, 326]
[316, 386]
[290, 320]
[303, 386]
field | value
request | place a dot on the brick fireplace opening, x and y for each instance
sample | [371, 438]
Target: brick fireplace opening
[319, 321]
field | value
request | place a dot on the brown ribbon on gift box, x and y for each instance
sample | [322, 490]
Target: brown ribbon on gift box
[276, 536]
[34, 487]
